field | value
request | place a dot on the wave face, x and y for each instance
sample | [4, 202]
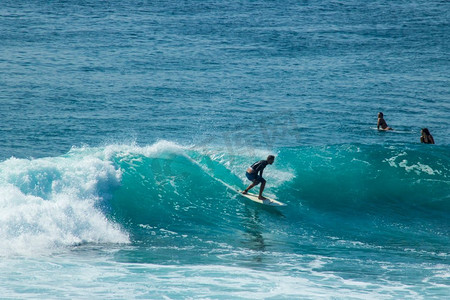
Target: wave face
[164, 192]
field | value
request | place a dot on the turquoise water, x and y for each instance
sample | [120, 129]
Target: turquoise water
[121, 122]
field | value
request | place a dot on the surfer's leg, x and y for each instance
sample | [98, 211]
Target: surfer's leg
[261, 189]
[248, 188]
[256, 180]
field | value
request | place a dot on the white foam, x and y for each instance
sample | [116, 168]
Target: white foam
[51, 203]
[159, 149]
[418, 168]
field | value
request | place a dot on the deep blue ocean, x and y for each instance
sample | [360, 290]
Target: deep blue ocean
[123, 122]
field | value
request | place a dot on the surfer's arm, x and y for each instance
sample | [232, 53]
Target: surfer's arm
[378, 124]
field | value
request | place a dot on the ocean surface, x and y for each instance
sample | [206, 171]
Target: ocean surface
[123, 122]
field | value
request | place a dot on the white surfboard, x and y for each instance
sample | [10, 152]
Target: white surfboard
[267, 201]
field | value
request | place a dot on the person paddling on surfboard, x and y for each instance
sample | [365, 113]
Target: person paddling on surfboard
[252, 175]
[382, 122]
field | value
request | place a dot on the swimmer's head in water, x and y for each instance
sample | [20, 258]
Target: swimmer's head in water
[426, 131]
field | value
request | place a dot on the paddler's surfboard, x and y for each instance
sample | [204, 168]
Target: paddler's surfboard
[268, 201]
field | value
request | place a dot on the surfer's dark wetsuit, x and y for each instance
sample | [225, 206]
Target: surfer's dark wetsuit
[381, 122]
[256, 168]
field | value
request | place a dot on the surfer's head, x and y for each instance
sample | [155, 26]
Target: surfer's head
[270, 159]
[425, 131]
[380, 115]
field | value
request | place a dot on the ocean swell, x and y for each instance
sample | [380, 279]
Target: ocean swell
[126, 193]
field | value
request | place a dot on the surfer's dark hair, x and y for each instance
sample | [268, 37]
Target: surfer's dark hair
[426, 131]
[270, 157]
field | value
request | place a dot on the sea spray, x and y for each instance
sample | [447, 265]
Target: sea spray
[54, 202]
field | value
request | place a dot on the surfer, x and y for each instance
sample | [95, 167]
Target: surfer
[252, 175]
[382, 122]
[426, 137]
